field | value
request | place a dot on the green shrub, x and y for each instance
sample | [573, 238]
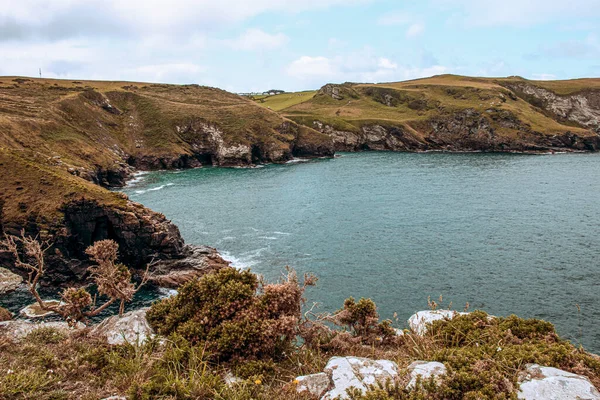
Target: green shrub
[233, 314]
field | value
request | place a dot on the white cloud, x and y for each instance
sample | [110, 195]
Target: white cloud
[256, 39]
[415, 30]
[310, 67]
[170, 72]
[355, 67]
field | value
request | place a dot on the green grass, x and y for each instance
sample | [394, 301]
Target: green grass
[285, 100]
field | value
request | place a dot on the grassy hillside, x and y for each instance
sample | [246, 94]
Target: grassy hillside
[60, 141]
[284, 100]
[417, 107]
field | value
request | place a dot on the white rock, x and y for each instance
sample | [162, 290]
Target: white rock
[17, 329]
[425, 370]
[132, 328]
[8, 281]
[546, 383]
[358, 373]
[315, 384]
[35, 311]
[418, 322]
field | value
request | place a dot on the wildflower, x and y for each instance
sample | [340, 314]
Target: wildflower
[295, 381]
[10, 371]
[499, 349]
[258, 381]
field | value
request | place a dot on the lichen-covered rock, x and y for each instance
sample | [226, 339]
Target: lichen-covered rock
[544, 383]
[357, 373]
[425, 370]
[132, 328]
[419, 322]
[316, 384]
[8, 281]
[17, 329]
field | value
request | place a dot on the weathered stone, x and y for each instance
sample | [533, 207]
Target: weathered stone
[8, 281]
[35, 311]
[419, 322]
[315, 384]
[132, 328]
[17, 329]
[357, 373]
[199, 261]
[543, 383]
[425, 370]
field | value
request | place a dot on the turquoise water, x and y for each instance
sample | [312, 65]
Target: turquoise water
[506, 233]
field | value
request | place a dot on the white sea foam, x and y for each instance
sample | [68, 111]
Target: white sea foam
[154, 189]
[297, 160]
[281, 233]
[137, 178]
[166, 292]
[238, 262]
[267, 237]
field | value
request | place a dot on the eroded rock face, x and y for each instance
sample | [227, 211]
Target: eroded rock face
[140, 233]
[198, 261]
[420, 321]
[131, 328]
[582, 108]
[8, 281]
[543, 383]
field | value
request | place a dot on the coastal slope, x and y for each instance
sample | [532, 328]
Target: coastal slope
[454, 113]
[62, 142]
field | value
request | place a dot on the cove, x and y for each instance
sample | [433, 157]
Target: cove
[506, 233]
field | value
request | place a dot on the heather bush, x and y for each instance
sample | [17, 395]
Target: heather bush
[5, 315]
[233, 314]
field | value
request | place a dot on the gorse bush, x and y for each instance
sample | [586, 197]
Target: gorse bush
[233, 314]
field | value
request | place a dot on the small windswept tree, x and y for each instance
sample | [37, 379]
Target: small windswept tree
[112, 278]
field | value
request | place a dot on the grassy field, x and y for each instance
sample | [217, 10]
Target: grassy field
[285, 100]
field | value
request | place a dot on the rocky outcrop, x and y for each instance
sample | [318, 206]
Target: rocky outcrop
[582, 107]
[141, 234]
[542, 383]
[424, 370]
[132, 328]
[197, 261]
[8, 281]
[35, 311]
[420, 321]
[17, 329]
[372, 137]
[466, 130]
[343, 373]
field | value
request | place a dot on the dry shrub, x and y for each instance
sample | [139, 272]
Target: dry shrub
[234, 314]
[5, 315]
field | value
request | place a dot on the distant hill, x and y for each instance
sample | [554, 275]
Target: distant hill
[452, 113]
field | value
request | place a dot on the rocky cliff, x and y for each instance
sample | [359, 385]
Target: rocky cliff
[62, 141]
[453, 113]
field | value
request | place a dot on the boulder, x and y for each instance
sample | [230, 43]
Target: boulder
[8, 281]
[425, 370]
[198, 261]
[18, 329]
[543, 383]
[132, 328]
[35, 311]
[315, 385]
[342, 373]
[418, 322]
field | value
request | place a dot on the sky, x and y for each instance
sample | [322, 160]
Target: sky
[256, 45]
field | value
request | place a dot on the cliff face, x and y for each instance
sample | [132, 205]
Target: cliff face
[61, 141]
[452, 113]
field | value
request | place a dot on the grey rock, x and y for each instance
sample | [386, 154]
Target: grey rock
[8, 281]
[315, 384]
[546, 383]
[425, 369]
[131, 328]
